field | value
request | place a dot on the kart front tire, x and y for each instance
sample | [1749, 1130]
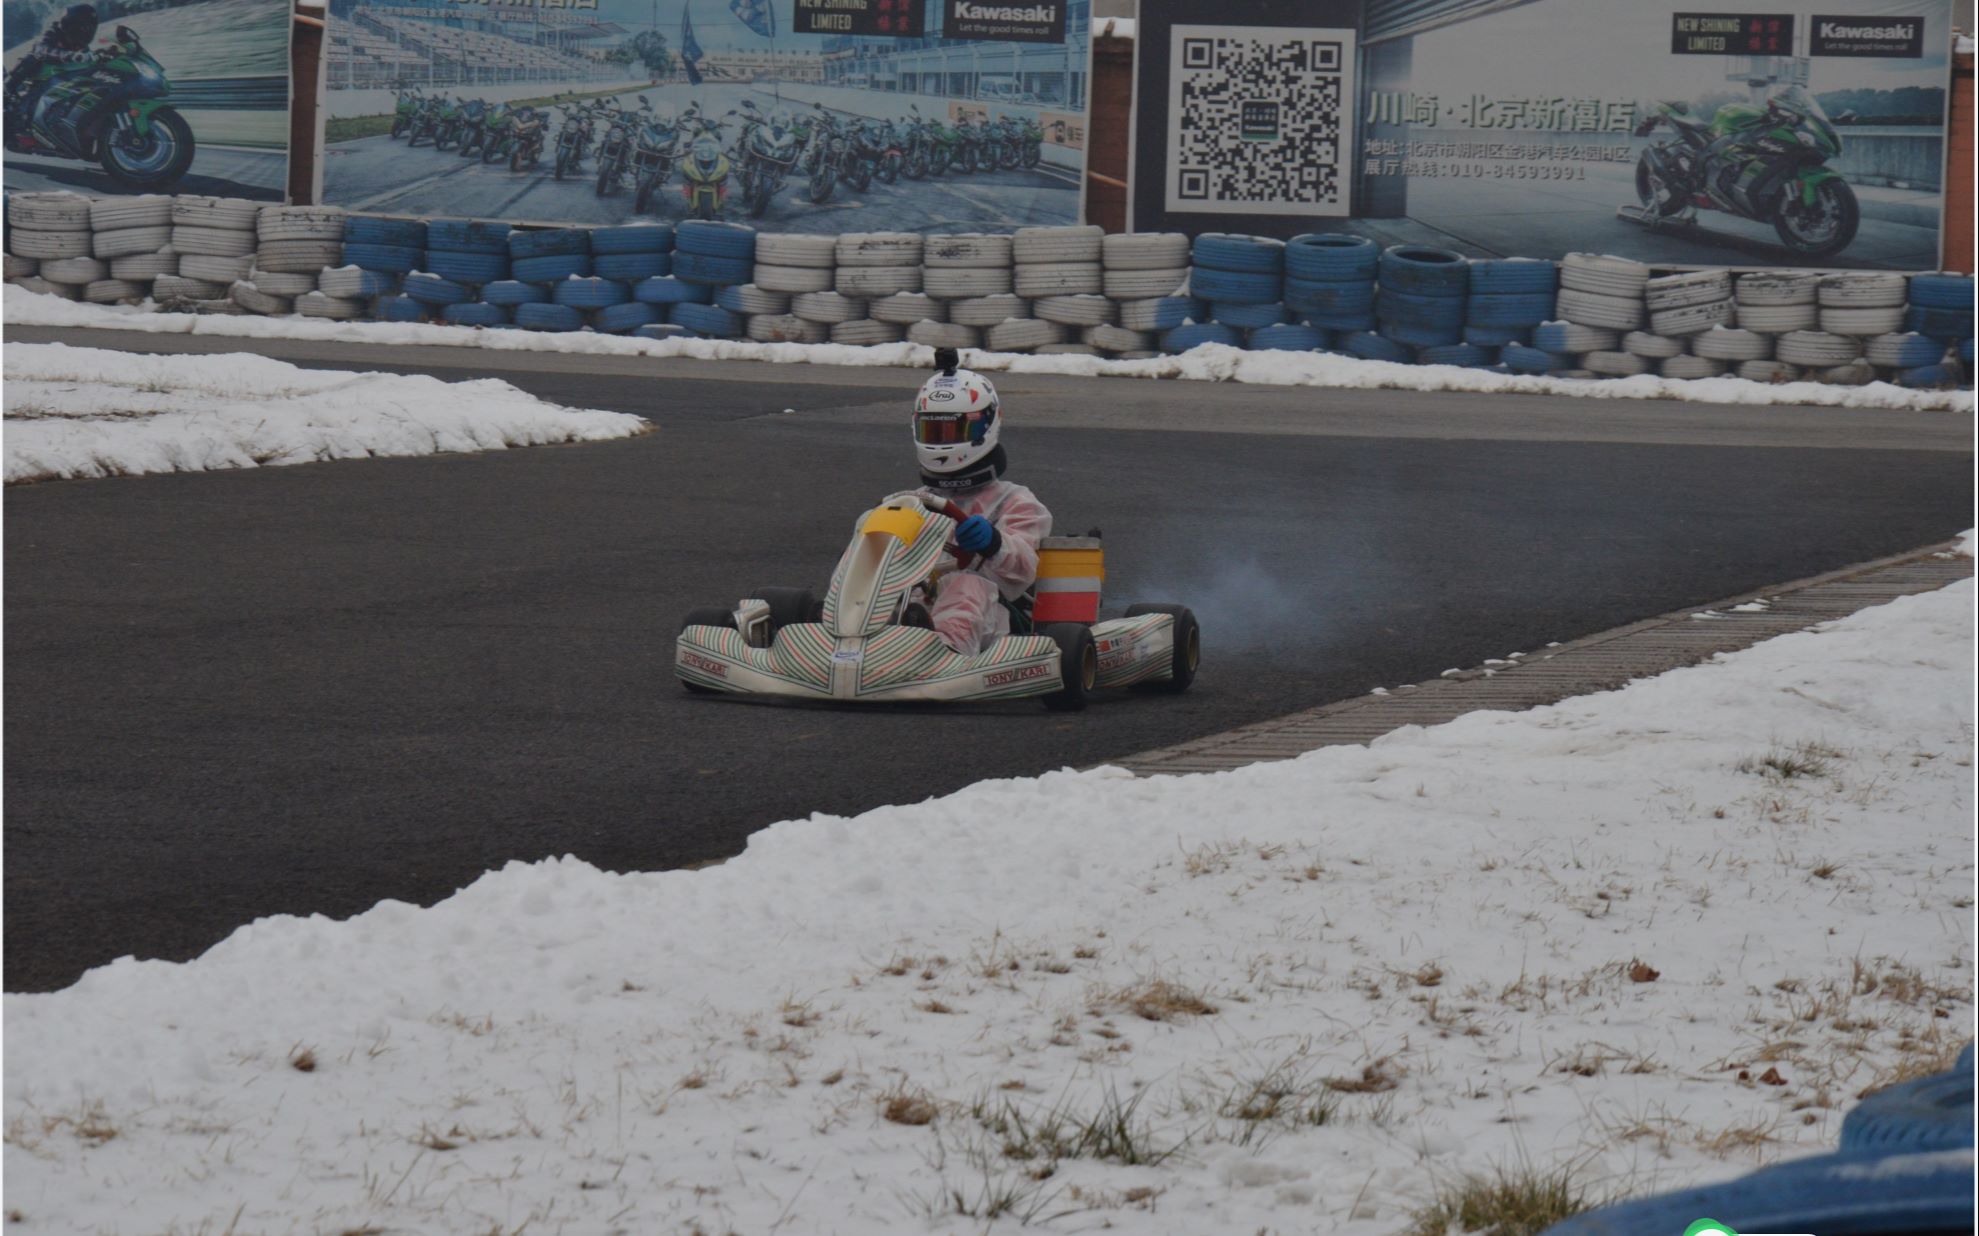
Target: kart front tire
[1078, 666]
[707, 616]
[789, 606]
[1187, 650]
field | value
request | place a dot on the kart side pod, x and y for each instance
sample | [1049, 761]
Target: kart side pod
[1071, 570]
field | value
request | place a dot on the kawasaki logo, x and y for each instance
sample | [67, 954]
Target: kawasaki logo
[1836, 30]
[990, 12]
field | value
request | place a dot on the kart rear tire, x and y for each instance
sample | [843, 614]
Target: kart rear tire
[1078, 665]
[1187, 651]
[789, 606]
[707, 616]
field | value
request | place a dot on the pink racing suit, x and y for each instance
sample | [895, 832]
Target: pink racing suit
[966, 614]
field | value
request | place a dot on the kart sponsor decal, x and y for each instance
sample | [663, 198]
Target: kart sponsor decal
[849, 656]
[706, 665]
[1028, 672]
[940, 396]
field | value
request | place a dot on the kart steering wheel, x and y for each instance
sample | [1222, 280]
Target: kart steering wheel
[935, 502]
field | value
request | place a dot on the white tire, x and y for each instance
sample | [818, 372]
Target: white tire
[112, 214]
[1125, 251]
[1022, 334]
[125, 241]
[298, 256]
[796, 249]
[1596, 309]
[1056, 279]
[214, 269]
[1855, 373]
[75, 270]
[959, 283]
[113, 291]
[944, 335]
[1785, 287]
[1654, 347]
[1076, 310]
[1730, 344]
[786, 328]
[336, 308]
[1143, 284]
[1777, 319]
[988, 310]
[1118, 339]
[300, 223]
[1603, 276]
[21, 267]
[31, 243]
[178, 287]
[1065, 349]
[1691, 367]
[776, 278]
[145, 266]
[827, 307]
[907, 308]
[41, 287]
[878, 249]
[1862, 321]
[1864, 289]
[1614, 364]
[227, 213]
[1816, 349]
[1887, 351]
[254, 300]
[1056, 245]
[48, 212]
[967, 250]
[281, 283]
[346, 282]
[866, 332]
[1144, 314]
[220, 242]
[1692, 318]
[1699, 287]
[215, 305]
[875, 281]
[751, 299]
[1769, 371]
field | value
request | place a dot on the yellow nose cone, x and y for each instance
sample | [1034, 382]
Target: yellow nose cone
[893, 521]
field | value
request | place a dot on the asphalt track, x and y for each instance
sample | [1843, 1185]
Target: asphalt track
[304, 689]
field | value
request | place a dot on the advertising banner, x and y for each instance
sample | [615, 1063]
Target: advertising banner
[791, 115]
[1697, 134]
[148, 96]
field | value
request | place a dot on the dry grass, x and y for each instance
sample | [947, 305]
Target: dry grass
[1157, 999]
[1509, 1202]
[904, 1105]
[1802, 759]
[302, 1059]
[1114, 1131]
[1377, 1077]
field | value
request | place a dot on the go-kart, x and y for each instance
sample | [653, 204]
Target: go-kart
[868, 639]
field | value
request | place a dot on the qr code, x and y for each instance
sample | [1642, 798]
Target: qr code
[1260, 120]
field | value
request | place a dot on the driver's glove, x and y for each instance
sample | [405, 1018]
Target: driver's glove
[979, 536]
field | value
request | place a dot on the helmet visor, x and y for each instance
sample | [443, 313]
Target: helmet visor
[947, 428]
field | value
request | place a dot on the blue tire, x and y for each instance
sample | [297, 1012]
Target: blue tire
[1173, 311]
[1551, 337]
[1330, 257]
[1182, 338]
[1942, 291]
[431, 289]
[1462, 355]
[1925, 377]
[721, 240]
[1398, 308]
[399, 309]
[397, 259]
[1945, 324]
[1249, 317]
[470, 268]
[1286, 339]
[1245, 254]
[1236, 286]
[552, 269]
[467, 236]
[667, 290]
[1369, 346]
[634, 238]
[1423, 271]
[590, 293]
[1509, 309]
[631, 267]
[1965, 349]
[618, 319]
[664, 330]
[715, 271]
[370, 230]
[1313, 296]
[1521, 359]
[1419, 336]
[513, 292]
[1512, 276]
[1929, 1113]
[549, 242]
[712, 321]
[1496, 336]
[548, 317]
[475, 313]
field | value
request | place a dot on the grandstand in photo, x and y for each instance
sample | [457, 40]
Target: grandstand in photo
[458, 45]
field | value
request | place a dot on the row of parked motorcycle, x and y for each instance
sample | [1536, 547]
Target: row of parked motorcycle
[643, 146]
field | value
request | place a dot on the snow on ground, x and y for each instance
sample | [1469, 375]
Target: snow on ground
[1207, 362]
[75, 412]
[1657, 936]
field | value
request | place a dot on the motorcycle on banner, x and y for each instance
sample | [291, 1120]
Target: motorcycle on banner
[655, 146]
[767, 148]
[406, 110]
[114, 115]
[704, 172]
[615, 149]
[825, 154]
[426, 120]
[527, 131]
[447, 125]
[473, 128]
[1763, 163]
[573, 140]
[891, 143]
[927, 150]
[498, 133]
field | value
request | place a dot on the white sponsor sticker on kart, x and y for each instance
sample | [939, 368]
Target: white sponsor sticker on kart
[849, 656]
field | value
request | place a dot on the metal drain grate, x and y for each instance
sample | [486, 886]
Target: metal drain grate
[1596, 663]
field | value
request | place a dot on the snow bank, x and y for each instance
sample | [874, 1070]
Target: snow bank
[1658, 934]
[1206, 363]
[75, 412]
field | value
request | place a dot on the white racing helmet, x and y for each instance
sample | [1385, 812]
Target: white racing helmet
[956, 426]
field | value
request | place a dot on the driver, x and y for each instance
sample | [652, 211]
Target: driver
[65, 42]
[957, 421]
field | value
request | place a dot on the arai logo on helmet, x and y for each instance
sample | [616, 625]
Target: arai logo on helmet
[940, 396]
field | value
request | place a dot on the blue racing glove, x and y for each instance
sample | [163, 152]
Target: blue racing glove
[979, 536]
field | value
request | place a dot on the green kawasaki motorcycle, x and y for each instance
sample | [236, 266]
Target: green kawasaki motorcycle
[1757, 162]
[113, 114]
